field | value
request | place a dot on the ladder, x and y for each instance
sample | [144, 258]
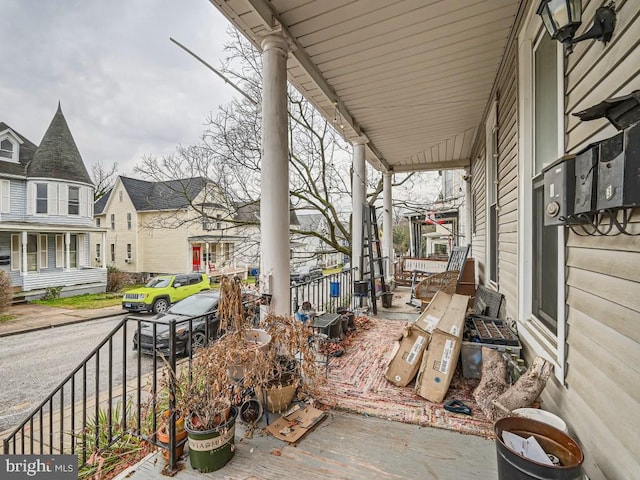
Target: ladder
[372, 261]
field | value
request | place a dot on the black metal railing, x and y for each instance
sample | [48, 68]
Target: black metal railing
[327, 293]
[113, 393]
[117, 392]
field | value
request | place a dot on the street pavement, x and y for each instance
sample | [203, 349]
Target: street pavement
[29, 317]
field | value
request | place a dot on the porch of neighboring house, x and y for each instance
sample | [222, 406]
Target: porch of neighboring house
[390, 434]
[215, 255]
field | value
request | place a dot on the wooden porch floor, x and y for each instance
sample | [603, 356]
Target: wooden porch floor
[346, 446]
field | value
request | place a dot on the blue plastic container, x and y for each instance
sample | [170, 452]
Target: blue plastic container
[334, 289]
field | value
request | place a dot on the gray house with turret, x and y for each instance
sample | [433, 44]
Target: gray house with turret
[46, 213]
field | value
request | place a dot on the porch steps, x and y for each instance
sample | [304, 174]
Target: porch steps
[18, 297]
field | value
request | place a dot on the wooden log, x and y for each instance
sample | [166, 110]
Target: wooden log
[495, 397]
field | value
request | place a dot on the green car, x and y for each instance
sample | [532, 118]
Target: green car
[163, 290]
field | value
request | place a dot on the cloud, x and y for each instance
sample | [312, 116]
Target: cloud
[125, 89]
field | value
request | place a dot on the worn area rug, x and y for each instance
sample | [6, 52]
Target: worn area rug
[357, 384]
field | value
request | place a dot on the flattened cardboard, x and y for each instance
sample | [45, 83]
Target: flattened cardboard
[430, 317]
[439, 361]
[292, 427]
[406, 362]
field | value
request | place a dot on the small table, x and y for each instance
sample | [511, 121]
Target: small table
[321, 323]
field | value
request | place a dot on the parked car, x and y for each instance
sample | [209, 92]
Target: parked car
[163, 290]
[305, 274]
[197, 314]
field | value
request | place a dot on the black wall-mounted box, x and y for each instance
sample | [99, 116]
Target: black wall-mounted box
[586, 177]
[619, 170]
[559, 191]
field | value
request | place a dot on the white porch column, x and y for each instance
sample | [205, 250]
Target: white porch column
[387, 224]
[274, 203]
[25, 268]
[358, 190]
[103, 249]
[67, 251]
[206, 251]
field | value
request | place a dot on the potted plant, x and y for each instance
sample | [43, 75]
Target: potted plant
[236, 363]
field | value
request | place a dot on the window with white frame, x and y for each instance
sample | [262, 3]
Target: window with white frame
[98, 222]
[129, 251]
[42, 198]
[5, 195]
[542, 259]
[74, 201]
[113, 252]
[492, 157]
[73, 251]
[6, 148]
[98, 252]
[129, 221]
[32, 252]
[113, 221]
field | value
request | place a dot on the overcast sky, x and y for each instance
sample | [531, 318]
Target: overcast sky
[125, 89]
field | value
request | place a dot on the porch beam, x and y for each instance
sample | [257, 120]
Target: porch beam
[425, 167]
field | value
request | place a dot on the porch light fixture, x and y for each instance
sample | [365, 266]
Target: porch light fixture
[562, 18]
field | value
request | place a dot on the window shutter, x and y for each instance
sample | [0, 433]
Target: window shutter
[63, 206]
[4, 196]
[83, 258]
[31, 198]
[52, 202]
[84, 206]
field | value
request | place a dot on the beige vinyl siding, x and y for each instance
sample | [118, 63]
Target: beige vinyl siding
[602, 393]
[166, 250]
[508, 182]
[478, 239]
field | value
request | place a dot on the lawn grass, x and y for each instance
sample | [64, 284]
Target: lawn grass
[82, 302]
[6, 318]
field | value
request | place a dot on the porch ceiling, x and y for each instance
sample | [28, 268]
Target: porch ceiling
[413, 76]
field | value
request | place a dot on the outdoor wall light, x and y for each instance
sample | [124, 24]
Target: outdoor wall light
[562, 18]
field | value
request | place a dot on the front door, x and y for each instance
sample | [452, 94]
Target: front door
[196, 258]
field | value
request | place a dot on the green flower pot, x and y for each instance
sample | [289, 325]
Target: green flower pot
[210, 450]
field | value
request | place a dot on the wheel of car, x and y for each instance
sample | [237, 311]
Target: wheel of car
[198, 340]
[306, 279]
[160, 305]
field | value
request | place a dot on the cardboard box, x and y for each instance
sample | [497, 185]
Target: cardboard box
[293, 425]
[430, 317]
[440, 360]
[406, 362]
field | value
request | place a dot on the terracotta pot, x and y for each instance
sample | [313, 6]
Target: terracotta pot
[163, 437]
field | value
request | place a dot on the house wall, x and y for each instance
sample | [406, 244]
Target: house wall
[17, 201]
[600, 396]
[122, 235]
[166, 249]
[603, 275]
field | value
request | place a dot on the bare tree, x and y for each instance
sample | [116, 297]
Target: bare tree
[103, 178]
[229, 156]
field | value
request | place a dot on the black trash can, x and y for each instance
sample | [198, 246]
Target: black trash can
[513, 466]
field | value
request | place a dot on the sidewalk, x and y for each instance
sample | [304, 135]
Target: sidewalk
[30, 317]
